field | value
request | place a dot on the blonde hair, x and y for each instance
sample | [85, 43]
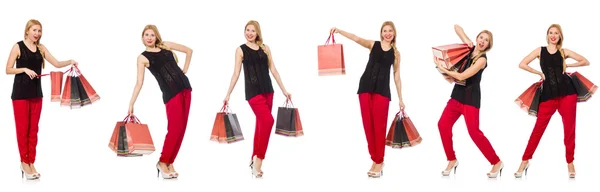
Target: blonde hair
[31, 23]
[393, 43]
[488, 48]
[559, 43]
[259, 39]
[158, 42]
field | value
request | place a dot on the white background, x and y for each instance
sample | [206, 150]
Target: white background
[105, 38]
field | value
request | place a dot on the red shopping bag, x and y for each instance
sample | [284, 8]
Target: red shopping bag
[131, 138]
[331, 58]
[529, 100]
[584, 87]
[452, 56]
[56, 78]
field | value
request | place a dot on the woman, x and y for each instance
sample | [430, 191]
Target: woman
[27, 95]
[374, 89]
[176, 91]
[558, 93]
[465, 100]
[258, 61]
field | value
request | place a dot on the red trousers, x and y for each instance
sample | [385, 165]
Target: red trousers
[567, 108]
[262, 106]
[27, 116]
[454, 109]
[374, 110]
[178, 110]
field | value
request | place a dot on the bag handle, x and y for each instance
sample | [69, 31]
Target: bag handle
[46, 74]
[226, 108]
[132, 119]
[332, 38]
[401, 113]
[288, 103]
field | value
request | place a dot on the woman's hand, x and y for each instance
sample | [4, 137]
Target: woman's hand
[226, 100]
[401, 105]
[130, 111]
[30, 73]
[333, 30]
[287, 95]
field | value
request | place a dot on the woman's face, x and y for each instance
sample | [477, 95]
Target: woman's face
[250, 33]
[149, 38]
[483, 41]
[34, 33]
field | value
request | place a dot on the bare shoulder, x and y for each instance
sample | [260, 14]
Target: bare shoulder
[167, 44]
[239, 52]
[16, 49]
[141, 58]
[267, 48]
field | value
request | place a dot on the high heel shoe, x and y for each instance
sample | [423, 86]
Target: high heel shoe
[572, 174]
[495, 174]
[162, 173]
[27, 175]
[377, 174]
[447, 172]
[255, 173]
[520, 174]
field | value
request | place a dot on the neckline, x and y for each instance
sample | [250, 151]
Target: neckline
[381, 46]
[36, 47]
[547, 50]
[251, 47]
[159, 50]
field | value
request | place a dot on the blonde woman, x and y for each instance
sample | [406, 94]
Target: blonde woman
[176, 89]
[27, 95]
[374, 92]
[558, 94]
[257, 62]
[465, 100]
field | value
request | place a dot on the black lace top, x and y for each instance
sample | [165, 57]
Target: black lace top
[23, 86]
[376, 77]
[470, 93]
[169, 76]
[556, 84]
[256, 72]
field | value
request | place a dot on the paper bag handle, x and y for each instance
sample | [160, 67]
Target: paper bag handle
[332, 38]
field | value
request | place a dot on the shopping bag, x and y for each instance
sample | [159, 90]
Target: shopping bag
[77, 91]
[56, 78]
[452, 56]
[331, 58]
[226, 128]
[131, 138]
[584, 87]
[288, 121]
[402, 132]
[529, 100]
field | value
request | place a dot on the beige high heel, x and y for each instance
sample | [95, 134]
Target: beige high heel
[447, 172]
[520, 174]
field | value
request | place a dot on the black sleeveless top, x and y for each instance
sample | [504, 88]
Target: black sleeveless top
[23, 86]
[376, 77]
[556, 84]
[169, 76]
[256, 72]
[470, 93]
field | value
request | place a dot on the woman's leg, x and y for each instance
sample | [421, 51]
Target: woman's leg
[262, 106]
[175, 128]
[380, 112]
[452, 112]
[366, 108]
[35, 111]
[471, 115]
[21, 114]
[186, 102]
[545, 112]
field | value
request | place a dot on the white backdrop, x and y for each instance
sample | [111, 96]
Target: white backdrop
[105, 39]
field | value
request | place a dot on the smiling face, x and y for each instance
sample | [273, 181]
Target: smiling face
[34, 33]
[149, 37]
[250, 33]
[387, 33]
[554, 35]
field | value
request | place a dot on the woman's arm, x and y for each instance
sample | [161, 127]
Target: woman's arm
[397, 79]
[10, 64]
[581, 61]
[469, 72]
[461, 34]
[141, 65]
[528, 59]
[58, 64]
[181, 48]
[363, 42]
[275, 72]
[239, 55]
